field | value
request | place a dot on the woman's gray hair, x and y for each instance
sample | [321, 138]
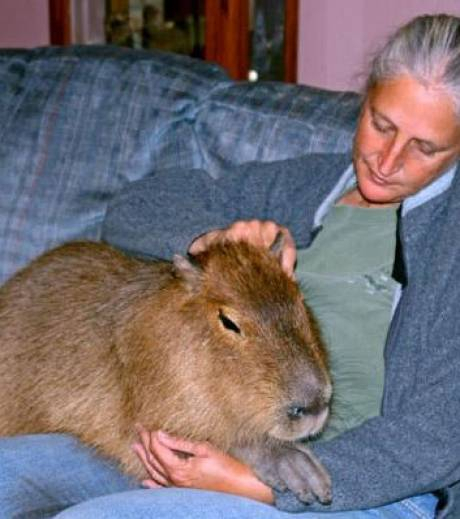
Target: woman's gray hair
[428, 49]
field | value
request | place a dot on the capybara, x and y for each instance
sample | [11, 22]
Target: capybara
[219, 347]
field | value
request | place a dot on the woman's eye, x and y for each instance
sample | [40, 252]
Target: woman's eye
[428, 152]
[381, 127]
[228, 323]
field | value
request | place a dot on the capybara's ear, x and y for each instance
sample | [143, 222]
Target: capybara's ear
[276, 248]
[188, 269]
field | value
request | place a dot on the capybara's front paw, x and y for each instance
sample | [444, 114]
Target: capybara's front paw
[294, 467]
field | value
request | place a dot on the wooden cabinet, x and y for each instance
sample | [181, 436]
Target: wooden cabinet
[240, 35]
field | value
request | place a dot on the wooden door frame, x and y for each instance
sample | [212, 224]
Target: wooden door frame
[60, 23]
[226, 44]
[291, 40]
[227, 35]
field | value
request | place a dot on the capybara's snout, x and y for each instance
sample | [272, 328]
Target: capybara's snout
[306, 418]
[306, 406]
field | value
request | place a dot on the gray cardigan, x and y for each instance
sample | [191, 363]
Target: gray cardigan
[414, 446]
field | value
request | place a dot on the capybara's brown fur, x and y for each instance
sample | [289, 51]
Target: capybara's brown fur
[218, 347]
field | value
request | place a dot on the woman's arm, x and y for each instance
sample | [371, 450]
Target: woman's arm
[161, 214]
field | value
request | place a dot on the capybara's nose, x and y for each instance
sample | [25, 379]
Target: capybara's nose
[313, 405]
[308, 418]
[296, 412]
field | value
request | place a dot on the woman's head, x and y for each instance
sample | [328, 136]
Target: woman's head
[409, 129]
[427, 49]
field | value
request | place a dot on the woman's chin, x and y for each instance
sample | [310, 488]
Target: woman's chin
[377, 194]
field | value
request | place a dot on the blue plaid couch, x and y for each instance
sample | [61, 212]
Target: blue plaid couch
[78, 124]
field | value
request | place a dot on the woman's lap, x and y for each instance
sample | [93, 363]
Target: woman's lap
[196, 504]
[42, 475]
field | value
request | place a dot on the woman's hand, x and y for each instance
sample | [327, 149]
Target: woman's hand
[175, 462]
[258, 232]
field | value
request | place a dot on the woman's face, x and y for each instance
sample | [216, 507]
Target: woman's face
[407, 136]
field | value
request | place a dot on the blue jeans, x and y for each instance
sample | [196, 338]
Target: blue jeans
[55, 476]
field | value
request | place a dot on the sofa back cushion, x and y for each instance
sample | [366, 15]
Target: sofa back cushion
[77, 124]
[268, 121]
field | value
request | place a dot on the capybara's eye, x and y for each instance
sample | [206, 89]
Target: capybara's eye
[228, 323]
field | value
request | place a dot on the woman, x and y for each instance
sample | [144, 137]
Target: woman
[405, 462]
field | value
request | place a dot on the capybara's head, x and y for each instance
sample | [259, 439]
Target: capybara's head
[257, 351]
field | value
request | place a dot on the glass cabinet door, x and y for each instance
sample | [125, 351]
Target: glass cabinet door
[252, 39]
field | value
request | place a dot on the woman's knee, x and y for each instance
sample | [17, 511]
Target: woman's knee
[171, 502]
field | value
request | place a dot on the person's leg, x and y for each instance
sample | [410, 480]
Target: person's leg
[40, 475]
[418, 507]
[196, 504]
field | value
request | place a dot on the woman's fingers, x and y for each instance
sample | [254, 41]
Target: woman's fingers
[186, 447]
[153, 468]
[264, 234]
[289, 253]
[145, 452]
[204, 241]
[166, 459]
[146, 444]
[261, 233]
[174, 461]
[144, 436]
[148, 483]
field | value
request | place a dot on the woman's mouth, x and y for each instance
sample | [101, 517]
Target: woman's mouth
[374, 177]
[378, 179]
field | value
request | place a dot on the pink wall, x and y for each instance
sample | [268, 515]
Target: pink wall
[336, 37]
[24, 23]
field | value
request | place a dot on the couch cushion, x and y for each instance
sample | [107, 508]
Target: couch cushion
[78, 124]
[242, 122]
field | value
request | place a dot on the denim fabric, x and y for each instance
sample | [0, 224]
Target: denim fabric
[195, 504]
[45, 475]
[79, 123]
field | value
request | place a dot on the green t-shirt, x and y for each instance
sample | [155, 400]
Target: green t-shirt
[346, 278]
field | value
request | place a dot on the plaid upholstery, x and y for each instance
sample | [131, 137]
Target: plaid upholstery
[270, 121]
[76, 125]
[79, 123]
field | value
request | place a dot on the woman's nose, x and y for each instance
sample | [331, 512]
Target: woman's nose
[390, 159]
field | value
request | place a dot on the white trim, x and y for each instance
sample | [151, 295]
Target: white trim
[346, 181]
[436, 187]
